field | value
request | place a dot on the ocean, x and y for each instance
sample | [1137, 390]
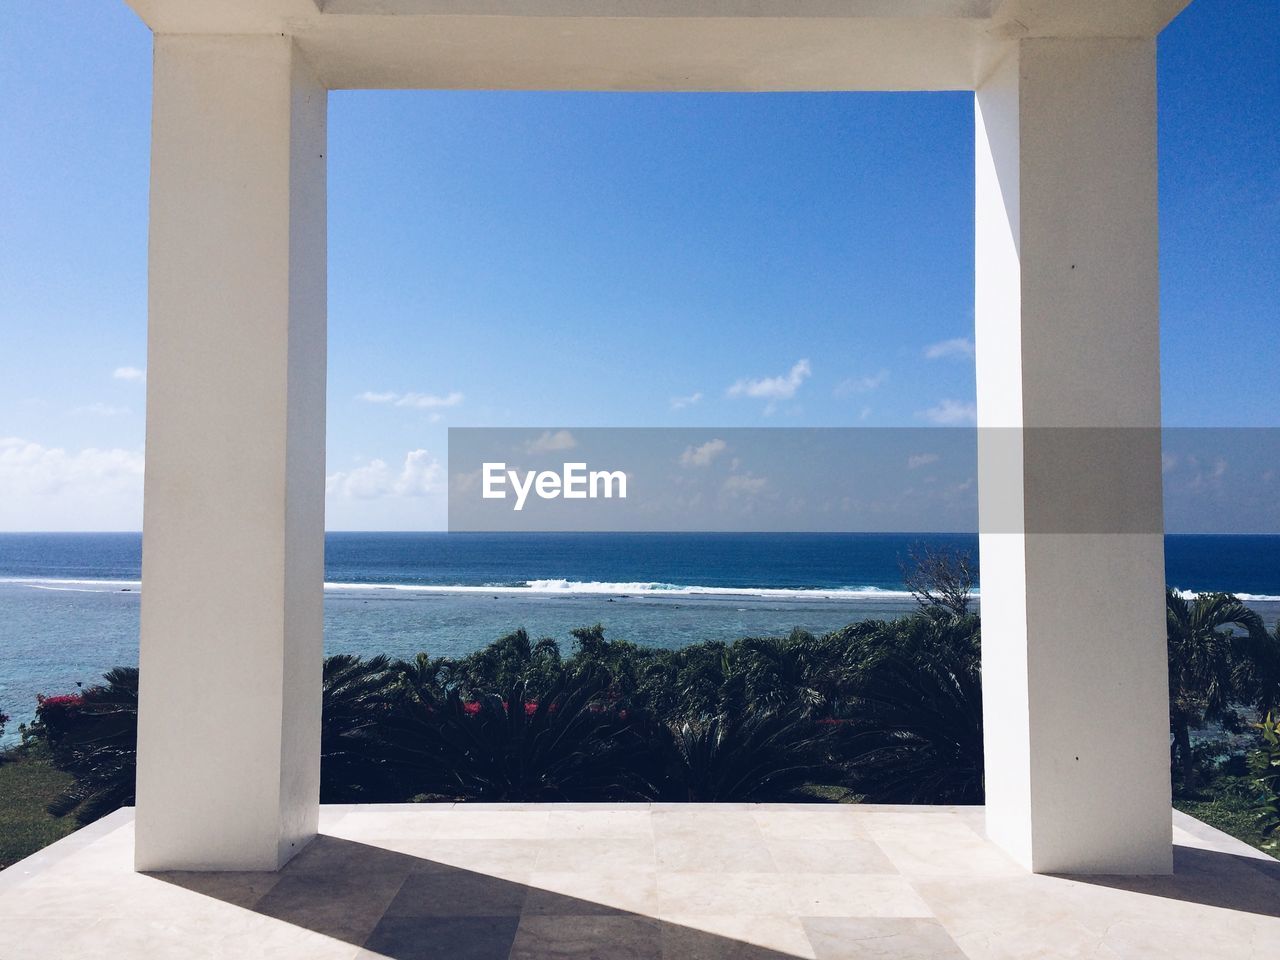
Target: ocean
[69, 602]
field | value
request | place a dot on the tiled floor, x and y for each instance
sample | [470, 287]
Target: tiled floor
[750, 882]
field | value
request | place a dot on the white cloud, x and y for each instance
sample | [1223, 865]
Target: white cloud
[918, 460]
[129, 373]
[419, 401]
[950, 413]
[861, 384]
[957, 347]
[679, 403]
[744, 485]
[702, 456]
[29, 468]
[773, 389]
[550, 442]
[50, 488]
[420, 475]
[99, 410]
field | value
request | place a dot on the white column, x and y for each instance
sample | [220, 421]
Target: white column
[233, 545]
[1074, 667]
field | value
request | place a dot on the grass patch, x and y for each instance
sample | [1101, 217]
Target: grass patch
[1229, 804]
[28, 782]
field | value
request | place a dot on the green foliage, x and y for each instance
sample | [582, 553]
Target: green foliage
[356, 698]
[890, 711]
[1230, 804]
[571, 743]
[1220, 656]
[509, 660]
[29, 782]
[96, 742]
[913, 729]
[1265, 766]
[758, 755]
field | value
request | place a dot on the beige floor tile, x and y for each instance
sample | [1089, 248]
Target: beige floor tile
[696, 841]
[441, 938]
[746, 894]
[457, 893]
[345, 906]
[854, 895]
[587, 938]
[377, 826]
[186, 937]
[715, 936]
[810, 822]
[600, 825]
[938, 845]
[575, 892]
[829, 856]
[509, 859]
[610, 856]
[707, 820]
[42, 939]
[466, 823]
[705, 883]
[240, 889]
[880, 938]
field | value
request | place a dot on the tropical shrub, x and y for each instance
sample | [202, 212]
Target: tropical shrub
[888, 711]
[356, 698]
[94, 736]
[912, 731]
[760, 755]
[1219, 657]
[571, 743]
[1265, 765]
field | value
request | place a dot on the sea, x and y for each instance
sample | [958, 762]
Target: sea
[69, 603]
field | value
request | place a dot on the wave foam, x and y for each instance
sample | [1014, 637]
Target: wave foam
[565, 587]
[1243, 597]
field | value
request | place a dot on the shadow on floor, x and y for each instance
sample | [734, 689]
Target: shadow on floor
[409, 908]
[1211, 878]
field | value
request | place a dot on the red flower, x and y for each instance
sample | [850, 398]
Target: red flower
[63, 701]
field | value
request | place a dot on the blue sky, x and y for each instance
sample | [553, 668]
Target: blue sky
[522, 259]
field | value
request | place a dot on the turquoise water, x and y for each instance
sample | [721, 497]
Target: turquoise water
[69, 602]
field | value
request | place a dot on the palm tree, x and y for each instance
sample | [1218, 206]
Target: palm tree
[571, 743]
[1218, 652]
[752, 756]
[913, 732]
[356, 698]
[775, 672]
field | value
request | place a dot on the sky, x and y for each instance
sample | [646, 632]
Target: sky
[596, 260]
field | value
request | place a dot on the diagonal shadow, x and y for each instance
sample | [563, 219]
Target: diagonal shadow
[1211, 878]
[405, 907]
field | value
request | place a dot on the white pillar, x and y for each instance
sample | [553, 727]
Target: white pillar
[233, 546]
[1074, 667]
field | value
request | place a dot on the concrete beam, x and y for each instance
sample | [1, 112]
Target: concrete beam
[658, 45]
